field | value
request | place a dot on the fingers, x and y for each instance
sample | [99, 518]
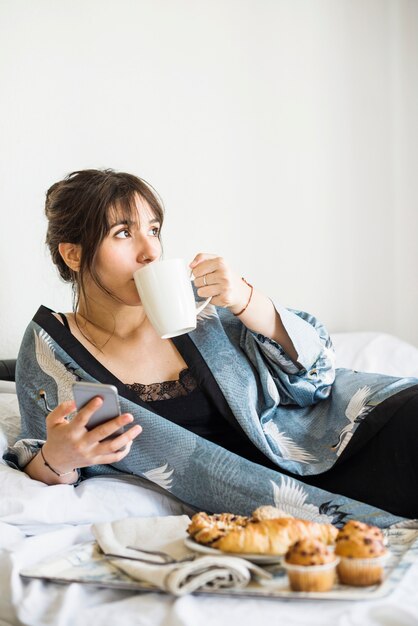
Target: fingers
[210, 275]
[206, 264]
[212, 282]
[60, 413]
[115, 444]
[114, 457]
[102, 431]
[214, 278]
[70, 443]
[202, 256]
[115, 449]
[81, 419]
[109, 428]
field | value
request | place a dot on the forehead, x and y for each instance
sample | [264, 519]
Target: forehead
[131, 210]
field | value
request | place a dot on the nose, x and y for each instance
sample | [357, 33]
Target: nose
[149, 250]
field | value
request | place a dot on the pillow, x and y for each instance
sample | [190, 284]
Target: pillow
[376, 352]
[9, 412]
[7, 386]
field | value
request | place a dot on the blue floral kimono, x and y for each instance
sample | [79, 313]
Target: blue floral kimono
[300, 415]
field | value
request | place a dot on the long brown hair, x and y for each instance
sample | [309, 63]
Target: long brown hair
[79, 210]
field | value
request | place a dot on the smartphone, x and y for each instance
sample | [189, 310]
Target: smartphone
[84, 392]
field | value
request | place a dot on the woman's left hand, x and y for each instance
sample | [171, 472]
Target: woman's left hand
[214, 277]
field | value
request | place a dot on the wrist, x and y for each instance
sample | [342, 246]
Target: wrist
[239, 309]
[54, 466]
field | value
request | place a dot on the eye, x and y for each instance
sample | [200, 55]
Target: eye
[155, 231]
[123, 234]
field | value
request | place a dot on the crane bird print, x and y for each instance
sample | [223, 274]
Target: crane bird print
[290, 497]
[355, 412]
[286, 447]
[45, 355]
[161, 476]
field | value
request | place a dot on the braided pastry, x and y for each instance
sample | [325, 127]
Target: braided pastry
[273, 536]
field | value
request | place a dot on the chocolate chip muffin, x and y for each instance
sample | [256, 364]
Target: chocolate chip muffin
[310, 566]
[362, 553]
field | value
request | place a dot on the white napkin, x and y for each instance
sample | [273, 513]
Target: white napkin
[167, 534]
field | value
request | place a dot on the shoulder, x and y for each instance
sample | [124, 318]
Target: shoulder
[44, 321]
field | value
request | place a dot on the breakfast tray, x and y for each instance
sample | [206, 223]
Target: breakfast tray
[84, 563]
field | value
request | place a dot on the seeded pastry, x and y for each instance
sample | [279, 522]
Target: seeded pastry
[206, 529]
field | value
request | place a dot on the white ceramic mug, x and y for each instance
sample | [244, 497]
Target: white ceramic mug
[167, 296]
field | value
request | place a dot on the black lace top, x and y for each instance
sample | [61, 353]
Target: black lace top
[167, 389]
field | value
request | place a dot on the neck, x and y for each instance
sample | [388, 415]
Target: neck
[103, 321]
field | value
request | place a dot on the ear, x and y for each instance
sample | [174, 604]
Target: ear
[71, 255]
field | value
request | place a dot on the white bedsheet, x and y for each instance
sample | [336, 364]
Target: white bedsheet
[38, 521]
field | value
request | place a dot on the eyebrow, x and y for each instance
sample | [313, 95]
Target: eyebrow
[132, 222]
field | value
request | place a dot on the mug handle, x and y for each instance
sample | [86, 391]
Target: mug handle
[200, 307]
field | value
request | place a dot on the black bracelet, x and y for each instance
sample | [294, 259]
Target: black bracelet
[54, 470]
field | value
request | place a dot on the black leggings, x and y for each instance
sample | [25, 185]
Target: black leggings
[383, 471]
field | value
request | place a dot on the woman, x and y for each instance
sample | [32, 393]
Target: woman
[245, 410]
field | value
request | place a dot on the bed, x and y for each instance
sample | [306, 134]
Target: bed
[37, 522]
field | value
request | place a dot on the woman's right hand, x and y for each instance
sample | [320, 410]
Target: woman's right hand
[69, 445]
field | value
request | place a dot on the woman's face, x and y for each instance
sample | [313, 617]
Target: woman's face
[126, 248]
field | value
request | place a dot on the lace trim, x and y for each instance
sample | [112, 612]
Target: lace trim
[166, 390]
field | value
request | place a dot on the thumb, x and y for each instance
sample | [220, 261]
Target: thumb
[59, 414]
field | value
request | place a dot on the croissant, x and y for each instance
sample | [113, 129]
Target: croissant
[274, 536]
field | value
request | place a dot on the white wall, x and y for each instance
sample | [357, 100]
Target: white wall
[281, 134]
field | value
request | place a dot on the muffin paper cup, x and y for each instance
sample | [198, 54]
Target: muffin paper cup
[362, 572]
[311, 577]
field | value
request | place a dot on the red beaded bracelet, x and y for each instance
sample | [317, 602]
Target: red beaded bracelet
[249, 299]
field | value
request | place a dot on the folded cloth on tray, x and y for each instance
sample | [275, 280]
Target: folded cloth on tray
[167, 535]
